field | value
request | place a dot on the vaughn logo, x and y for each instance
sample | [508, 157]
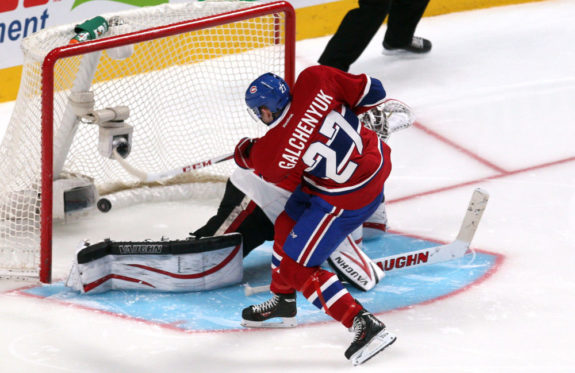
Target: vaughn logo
[347, 268]
[128, 249]
[404, 261]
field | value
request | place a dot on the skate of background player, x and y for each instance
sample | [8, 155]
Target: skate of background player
[314, 18]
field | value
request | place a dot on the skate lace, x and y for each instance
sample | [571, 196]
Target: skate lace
[358, 327]
[267, 305]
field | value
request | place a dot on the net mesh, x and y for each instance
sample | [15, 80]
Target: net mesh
[185, 95]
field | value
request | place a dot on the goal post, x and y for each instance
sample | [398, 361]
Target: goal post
[180, 93]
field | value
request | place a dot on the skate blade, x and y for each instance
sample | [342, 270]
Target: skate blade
[286, 322]
[381, 341]
[402, 53]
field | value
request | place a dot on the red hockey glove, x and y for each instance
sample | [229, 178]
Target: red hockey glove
[242, 152]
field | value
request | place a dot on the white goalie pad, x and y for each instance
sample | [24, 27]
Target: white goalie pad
[353, 266]
[269, 197]
[173, 266]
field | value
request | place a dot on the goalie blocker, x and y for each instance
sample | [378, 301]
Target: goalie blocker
[181, 265]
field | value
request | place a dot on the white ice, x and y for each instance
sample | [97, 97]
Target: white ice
[499, 88]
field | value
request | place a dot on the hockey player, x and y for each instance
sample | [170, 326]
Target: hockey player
[250, 206]
[315, 136]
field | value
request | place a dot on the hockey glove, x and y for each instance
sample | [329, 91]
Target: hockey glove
[242, 153]
[376, 120]
[387, 118]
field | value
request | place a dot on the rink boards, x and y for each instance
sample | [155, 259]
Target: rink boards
[220, 310]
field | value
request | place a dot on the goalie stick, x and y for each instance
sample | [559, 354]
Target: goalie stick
[251, 290]
[432, 255]
[395, 105]
[442, 253]
[151, 177]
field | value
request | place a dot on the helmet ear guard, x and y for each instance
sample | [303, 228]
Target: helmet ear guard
[267, 90]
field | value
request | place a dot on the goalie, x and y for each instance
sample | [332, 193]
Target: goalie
[212, 257]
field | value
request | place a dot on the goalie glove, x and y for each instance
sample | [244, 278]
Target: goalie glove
[387, 118]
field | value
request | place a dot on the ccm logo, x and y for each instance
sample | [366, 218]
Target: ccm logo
[8, 5]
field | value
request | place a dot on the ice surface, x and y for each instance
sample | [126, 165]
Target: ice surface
[499, 84]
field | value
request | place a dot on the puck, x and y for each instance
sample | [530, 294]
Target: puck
[104, 204]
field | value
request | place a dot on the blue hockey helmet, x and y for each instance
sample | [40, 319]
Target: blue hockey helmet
[268, 90]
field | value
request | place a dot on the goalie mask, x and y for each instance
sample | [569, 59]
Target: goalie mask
[270, 91]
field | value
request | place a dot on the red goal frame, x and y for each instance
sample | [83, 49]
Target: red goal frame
[120, 40]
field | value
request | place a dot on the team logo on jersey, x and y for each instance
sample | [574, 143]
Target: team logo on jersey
[253, 89]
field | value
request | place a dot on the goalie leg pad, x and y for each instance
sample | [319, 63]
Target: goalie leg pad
[182, 265]
[237, 213]
[376, 225]
[354, 266]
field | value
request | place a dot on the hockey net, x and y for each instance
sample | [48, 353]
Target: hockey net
[183, 82]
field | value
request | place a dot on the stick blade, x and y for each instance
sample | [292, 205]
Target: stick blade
[473, 215]
[283, 322]
[249, 290]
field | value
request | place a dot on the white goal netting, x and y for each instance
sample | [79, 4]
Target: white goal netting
[185, 94]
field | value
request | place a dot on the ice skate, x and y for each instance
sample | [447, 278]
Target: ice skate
[371, 337]
[418, 45]
[281, 305]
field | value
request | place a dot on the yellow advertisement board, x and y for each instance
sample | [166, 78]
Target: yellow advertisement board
[20, 18]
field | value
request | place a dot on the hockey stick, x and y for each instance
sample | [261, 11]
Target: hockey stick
[442, 253]
[432, 255]
[249, 290]
[151, 177]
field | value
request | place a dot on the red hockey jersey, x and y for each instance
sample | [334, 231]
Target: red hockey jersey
[319, 141]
